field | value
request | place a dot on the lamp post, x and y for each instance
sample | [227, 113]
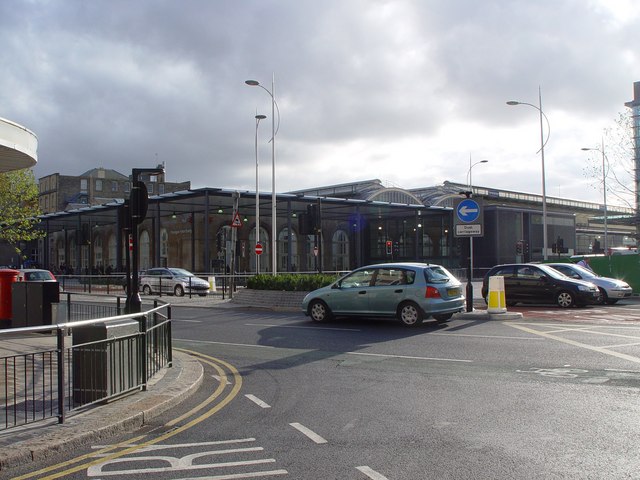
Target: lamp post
[274, 105]
[258, 118]
[543, 142]
[470, 274]
[604, 189]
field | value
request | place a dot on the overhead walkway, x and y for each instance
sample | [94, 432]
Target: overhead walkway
[18, 146]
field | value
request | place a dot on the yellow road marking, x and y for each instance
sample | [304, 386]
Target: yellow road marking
[206, 359]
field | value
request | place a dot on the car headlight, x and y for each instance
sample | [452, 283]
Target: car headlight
[585, 288]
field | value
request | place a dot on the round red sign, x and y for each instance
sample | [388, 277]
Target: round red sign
[258, 249]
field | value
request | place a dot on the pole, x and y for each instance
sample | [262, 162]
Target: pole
[544, 183]
[470, 266]
[274, 229]
[258, 118]
[604, 188]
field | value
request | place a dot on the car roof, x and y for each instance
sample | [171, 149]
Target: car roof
[400, 265]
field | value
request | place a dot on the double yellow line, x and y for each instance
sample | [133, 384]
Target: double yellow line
[103, 454]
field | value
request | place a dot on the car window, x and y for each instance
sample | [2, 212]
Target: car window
[360, 278]
[568, 271]
[506, 271]
[528, 272]
[436, 274]
[393, 276]
[180, 272]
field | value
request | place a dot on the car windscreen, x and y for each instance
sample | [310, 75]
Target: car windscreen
[437, 274]
[180, 272]
[552, 272]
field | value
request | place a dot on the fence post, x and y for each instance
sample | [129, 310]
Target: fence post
[143, 350]
[60, 360]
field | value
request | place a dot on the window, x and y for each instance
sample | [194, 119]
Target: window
[127, 187]
[150, 188]
[98, 185]
[114, 186]
[361, 278]
[83, 184]
[340, 250]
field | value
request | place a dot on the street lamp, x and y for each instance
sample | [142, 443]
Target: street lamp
[604, 188]
[543, 142]
[470, 275]
[258, 118]
[274, 106]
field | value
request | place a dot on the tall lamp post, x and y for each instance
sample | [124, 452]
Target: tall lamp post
[470, 275]
[258, 118]
[543, 142]
[274, 105]
[604, 189]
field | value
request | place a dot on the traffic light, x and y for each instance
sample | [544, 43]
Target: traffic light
[519, 247]
[389, 246]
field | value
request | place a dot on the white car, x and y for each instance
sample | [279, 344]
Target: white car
[177, 281]
[611, 289]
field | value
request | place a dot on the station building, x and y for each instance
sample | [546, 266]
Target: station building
[328, 228]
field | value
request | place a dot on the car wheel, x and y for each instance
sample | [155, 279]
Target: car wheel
[146, 290]
[442, 317]
[178, 291]
[410, 314]
[565, 299]
[603, 296]
[319, 311]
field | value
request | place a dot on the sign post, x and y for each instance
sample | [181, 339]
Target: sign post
[468, 221]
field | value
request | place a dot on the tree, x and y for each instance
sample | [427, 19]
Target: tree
[619, 162]
[19, 208]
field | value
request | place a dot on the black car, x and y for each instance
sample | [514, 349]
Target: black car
[532, 283]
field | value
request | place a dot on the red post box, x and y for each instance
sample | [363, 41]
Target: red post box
[7, 277]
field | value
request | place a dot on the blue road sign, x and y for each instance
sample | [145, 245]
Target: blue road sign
[468, 210]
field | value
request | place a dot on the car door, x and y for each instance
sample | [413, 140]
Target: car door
[388, 290]
[533, 285]
[351, 297]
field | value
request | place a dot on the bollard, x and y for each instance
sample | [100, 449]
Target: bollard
[496, 302]
[7, 278]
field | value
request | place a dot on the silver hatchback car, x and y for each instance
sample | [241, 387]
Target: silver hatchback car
[411, 292]
[172, 280]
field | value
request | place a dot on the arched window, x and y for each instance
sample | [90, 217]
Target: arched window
[284, 239]
[97, 251]
[310, 257]
[112, 246]
[164, 247]
[340, 250]
[427, 246]
[145, 250]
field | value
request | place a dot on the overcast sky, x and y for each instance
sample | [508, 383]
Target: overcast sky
[405, 91]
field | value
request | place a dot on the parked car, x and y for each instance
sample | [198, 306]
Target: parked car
[611, 289]
[177, 281]
[410, 292]
[35, 275]
[533, 283]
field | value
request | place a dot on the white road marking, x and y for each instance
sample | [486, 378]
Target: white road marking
[407, 357]
[372, 474]
[309, 433]
[222, 343]
[502, 337]
[257, 401]
[303, 328]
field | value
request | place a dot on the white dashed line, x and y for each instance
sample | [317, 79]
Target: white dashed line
[372, 474]
[257, 401]
[309, 433]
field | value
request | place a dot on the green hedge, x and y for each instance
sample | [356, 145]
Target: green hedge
[290, 282]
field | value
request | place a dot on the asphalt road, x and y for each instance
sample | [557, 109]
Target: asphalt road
[286, 398]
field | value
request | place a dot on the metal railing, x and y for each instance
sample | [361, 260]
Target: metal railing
[108, 357]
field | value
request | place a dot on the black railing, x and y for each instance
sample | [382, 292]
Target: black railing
[108, 357]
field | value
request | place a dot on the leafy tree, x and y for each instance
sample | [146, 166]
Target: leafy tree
[19, 208]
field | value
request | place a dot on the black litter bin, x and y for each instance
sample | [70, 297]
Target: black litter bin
[105, 360]
[32, 303]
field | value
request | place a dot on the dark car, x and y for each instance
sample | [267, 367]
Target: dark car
[532, 283]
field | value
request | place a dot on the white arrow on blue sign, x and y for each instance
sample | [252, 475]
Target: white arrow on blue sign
[468, 210]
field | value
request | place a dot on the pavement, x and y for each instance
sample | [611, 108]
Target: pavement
[37, 441]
